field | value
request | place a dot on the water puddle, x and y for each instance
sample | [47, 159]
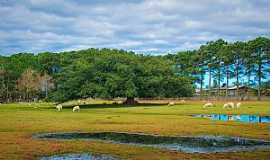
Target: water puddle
[200, 144]
[83, 156]
[238, 118]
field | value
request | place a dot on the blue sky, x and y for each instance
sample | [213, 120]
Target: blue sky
[143, 26]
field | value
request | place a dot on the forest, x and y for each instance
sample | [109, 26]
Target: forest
[111, 73]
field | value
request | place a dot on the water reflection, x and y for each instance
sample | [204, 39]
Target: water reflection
[239, 118]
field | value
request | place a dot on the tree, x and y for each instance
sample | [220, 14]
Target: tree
[259, 49]
[215, 48]
[119, 74]
[130, 92]
[45, 83]
[213, 60]
[2, 84]
[200, 67]
[48, 62]
[226, 58]
[238, 56]
[249, 66]
[30, 83]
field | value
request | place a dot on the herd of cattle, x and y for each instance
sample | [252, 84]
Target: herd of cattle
[229, 105]
[59, 107]
[226, 105]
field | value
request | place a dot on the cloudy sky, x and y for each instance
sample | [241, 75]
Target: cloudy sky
[143, 26]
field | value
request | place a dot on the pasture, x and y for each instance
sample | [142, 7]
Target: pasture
[18, 122]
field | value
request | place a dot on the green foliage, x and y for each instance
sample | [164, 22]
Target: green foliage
[109, 73]
[118, 74]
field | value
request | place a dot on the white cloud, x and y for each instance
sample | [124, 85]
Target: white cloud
[142, 25]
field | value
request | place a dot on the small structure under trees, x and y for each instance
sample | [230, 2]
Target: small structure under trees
[243, 91]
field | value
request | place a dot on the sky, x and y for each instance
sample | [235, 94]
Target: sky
[142, 26]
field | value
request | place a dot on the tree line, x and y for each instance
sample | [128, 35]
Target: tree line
[96, 73]
[226, 63]
[110, 73]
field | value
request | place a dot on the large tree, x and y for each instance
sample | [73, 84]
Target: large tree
[113, 74]
[260, 50]
[238, 56]
[28, 84]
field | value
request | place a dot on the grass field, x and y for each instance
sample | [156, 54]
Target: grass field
[18, 122]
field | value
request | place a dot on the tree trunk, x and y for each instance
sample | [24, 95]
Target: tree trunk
[227, 80]
[130, 101]
[248, 84]
[201, 87]
[237, 80]
[7, 94]
[260, 82]
[219, 80]
[209, 83]
[2, 88]
[46, 89]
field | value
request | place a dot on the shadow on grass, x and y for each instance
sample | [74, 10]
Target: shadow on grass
[100, 106]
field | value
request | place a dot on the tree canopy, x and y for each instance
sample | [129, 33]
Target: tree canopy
[110, 73]
[95, 73]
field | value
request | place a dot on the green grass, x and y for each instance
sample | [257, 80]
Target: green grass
[18, 122]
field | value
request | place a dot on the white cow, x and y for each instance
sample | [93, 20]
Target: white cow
[183, 101]
[228, 105]
[209, 104]
[119, 102]
[76, 108]
[59, 107]
[238, 105]
[171, 104]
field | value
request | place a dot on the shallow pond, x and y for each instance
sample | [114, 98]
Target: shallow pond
[83, 156]
[239, 118]
[200, 144]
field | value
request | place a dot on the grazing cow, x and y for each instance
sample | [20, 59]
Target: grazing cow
[76, 108]
[183, 101]
[59, 107]
[119, 102]
[238, 105]
[228, 105]
[209, 104]
[171, 104]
